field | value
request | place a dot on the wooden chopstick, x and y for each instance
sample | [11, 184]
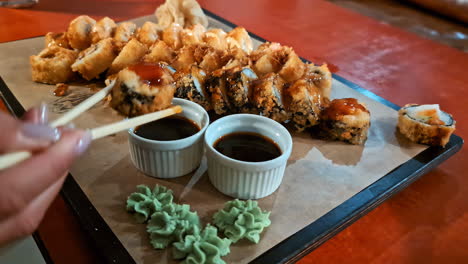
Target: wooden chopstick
[10, 159]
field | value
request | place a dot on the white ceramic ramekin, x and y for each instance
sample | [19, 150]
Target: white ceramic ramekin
[170, 159]
[240, 179]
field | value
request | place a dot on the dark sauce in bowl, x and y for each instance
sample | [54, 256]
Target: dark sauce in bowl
[169, 128]
[247, 146]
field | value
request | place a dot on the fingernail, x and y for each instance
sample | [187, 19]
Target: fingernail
[83, 143]
[39, 132]
[43, 114]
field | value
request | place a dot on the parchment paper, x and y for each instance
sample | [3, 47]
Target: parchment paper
[320, 174]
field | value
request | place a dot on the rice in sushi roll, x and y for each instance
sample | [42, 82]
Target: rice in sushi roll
[346, 120]
[426, 124]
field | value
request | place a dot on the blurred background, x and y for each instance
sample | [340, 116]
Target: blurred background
[444, 21]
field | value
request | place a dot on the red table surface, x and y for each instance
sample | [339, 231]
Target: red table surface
[425, 223]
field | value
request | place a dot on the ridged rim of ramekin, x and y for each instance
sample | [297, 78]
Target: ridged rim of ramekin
[257, 166]
[179, 143]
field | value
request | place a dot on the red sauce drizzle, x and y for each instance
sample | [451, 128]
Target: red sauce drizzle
[341, 107]
[149, 73]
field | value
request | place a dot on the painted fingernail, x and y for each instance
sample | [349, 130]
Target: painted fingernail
[39, 132]
[83, 143]
[43, 114]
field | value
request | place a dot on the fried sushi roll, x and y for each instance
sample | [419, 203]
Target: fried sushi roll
[192, 35]
[238, 88]
[215, 38]
[103, 29]
[215, 86]
[123, 33]
[191, 86]
[142, 88]
[321, 77]
[160, 51]
[303, 101]
[148, 33]
[131, 53]
[426, 124]
[59, 39]
[268, 96]
[53, 65]
[78, 33]
[293, 68]
[185, 58]
[96, 59]
[345, 120]
[171, 36]
[239, 37]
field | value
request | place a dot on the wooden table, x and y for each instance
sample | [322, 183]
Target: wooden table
[425, 223]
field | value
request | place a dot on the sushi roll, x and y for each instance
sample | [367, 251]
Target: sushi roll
[160, 51]
[267, 97]
[321, 77]
[78, 33]
[192, 35]
[171, 36]
[239, 37]
[185, 58]
[143, 88]
[148, 33]
[59, 39]
[123, 33]
[293, 68]
[238, 84]
[53, 65]
[131, 53]
[303, 101]
[346, 120]
[426, 124]
[191, 86]
[96, 59]
[103, 29]
[215, 86]
[216, 38]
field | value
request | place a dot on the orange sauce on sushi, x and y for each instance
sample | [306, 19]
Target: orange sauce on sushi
[149, 73]
[433, 118]
[341, 107]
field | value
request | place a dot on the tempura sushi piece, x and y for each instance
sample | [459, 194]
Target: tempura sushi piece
[148, 33]
[321, 77]
[53, 65]
[345, 120]
[142, 88]
[191, 86]
[160, 51]
[293, 67]
[426, 124]
[214, 60]
[268, 97]
[265, 59]
[123, 33]
[78, 33]
[171, 36]
[185, 58]
[192, 35]
[103, 29]
[239, 37]
[303, 101]
[215, 86]
[96, 59]
[216, 38]
[238, 88]
[59, 39]
[131, 53]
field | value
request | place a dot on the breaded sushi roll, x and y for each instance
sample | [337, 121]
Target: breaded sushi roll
[53, 65]
[321, 77]
[267, 97]
[78, 32]
[58, 39]
[215, 86]
[216, 38]
[171, 36]
[160, 51]
[426, 124]
[103, 29]
[303, 102]
[239, 37]
[131, 53]
[293, 68]
[185, 58]
[191, 86]
[148, 33]
[142, 88]
[238, 88]
[345, 120]
[192, 35]
[123, 33]
[96, 59]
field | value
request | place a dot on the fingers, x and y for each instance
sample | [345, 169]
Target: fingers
[26, 180]
[30, 136]
[28, 220]
[37, 115]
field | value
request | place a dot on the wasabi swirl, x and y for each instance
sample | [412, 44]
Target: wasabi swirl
[242, 219]
[204, 247]
[144, 202]
[171, 224]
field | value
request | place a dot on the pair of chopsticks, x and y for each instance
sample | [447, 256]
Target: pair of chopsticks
[10, 159]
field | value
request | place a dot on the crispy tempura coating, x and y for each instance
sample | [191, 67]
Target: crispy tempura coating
[57, 39]
[321, 77]
[239, 37]
[123, 33]
[96, 59]
[267, 97]
[192, 35]
[53, 65]
[171, 36]
[78, 33]
[148, 33]
[160, 51]
[216, 38]
[131, 53]
[103, 29]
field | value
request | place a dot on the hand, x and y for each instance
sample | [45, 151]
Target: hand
[28, 188]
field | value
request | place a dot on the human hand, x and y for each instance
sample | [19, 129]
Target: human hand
[28, 188]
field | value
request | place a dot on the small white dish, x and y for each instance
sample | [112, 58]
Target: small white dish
[240, 179]
[174, 158]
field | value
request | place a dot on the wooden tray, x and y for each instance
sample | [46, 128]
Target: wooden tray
[114, 247]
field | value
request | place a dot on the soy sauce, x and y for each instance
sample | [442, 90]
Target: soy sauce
[247, 146]
[169, 128]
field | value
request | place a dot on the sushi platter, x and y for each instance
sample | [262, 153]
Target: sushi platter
[326, 186]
